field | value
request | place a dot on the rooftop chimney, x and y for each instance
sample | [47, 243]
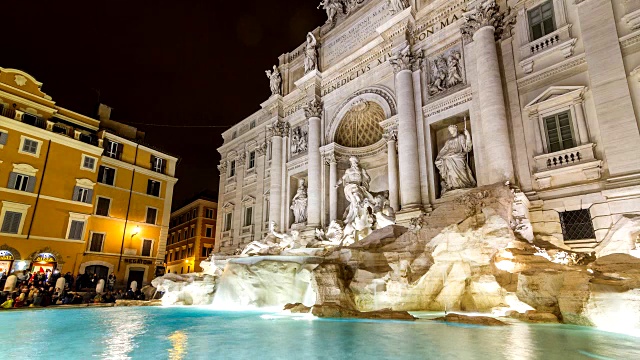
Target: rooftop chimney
[104, 112]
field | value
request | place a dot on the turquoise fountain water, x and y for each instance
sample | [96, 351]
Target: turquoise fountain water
[203, 333]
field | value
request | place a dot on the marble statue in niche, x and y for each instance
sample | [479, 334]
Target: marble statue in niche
[299, 203]
[274, 80]
[396, 6]
[452, 161]
[310, 54]
[446, 72]
[299, 140]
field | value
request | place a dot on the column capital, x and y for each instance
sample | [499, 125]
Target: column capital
[404, 59]
[330, 158]
[261, 149]
[313, 109]
[223, 166]
[391, 134]
[487, 14]
[280, 128]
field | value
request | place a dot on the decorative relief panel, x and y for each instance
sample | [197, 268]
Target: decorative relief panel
[445, 71]
[299, 139]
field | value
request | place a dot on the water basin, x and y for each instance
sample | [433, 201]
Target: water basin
[204, 333]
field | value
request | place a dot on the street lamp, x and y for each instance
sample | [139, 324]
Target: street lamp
[134, 232]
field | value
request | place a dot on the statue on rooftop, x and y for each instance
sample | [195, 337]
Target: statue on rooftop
[274, 80]
[452, 161]
[310, 54]
[396, 6]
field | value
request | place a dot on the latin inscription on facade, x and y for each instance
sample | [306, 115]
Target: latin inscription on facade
[337, 46]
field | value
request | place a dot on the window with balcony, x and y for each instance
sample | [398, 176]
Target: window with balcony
[577, 225]
[158, 164]
[559, 132]
[112, 149]
[541, 21]
[106, 175]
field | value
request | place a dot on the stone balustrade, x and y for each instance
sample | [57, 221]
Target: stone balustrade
[568, 157]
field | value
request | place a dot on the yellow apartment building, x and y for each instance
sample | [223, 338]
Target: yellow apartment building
[78, 194]
[191, 235]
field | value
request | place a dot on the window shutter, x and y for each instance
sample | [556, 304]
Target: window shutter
[75, 232]
[13, 177]
[31, 184]
[89, 196]
[11, 222]
[76, 193]
[101, 174]
[164, 166]
[111, 174]
[3, 138]
[149, 186]
[153, 162]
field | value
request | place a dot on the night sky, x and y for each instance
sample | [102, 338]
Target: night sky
[179, 62]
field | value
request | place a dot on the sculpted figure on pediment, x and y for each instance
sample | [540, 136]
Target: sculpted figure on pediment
[396, 6]
[274, 80]
[310, 54]
[332, 7]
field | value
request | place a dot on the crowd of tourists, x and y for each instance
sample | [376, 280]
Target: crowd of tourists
[38, 289]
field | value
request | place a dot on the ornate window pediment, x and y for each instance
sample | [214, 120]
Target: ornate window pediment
[228, 206]
[556, 95]
[25, 169]
[248, 200]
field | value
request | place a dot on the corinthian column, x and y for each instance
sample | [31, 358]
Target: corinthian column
[331, 160]
[391, 135]
[279, 130]
[313, 111]
[485, 25]
[407, 130]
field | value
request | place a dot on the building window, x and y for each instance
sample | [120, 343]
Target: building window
[195, 213]
[82, 194]
[559, 132]
[193, 231]
[88, 163]
[146, 247]
[153, 188]
[151, 215]
[3, 138]
[577, 225]
[21, 182]
[209, 213]
[102, 206]
[228, 217]
[541, 20]
[11, 222]
[208, 232]
[157, 164]
[252, 159]
[189, 251]
[206, 251]
[76, 230]
[30, 146]
[97, 240]
[252, 124]
[106, 175]
[112, 149]
[232, 168]
[248, 216]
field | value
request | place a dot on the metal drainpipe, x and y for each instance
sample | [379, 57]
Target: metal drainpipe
[35, 206]
[126, 219]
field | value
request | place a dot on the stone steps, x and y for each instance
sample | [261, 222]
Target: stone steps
[587, 245]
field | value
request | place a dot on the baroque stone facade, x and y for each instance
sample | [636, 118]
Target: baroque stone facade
[547, 90]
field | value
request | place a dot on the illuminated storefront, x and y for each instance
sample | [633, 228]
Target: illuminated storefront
[6, 261]
[43, 262]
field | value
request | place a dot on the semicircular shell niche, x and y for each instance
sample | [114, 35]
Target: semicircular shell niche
[360, 126]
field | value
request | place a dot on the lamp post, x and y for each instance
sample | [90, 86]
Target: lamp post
[134, 232]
